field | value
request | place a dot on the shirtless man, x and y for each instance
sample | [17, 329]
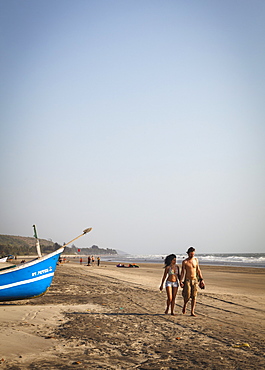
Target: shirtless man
[188, 280]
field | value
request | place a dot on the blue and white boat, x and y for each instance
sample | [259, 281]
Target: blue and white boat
[30, 279]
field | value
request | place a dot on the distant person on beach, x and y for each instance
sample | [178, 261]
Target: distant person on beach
[190, 272]
[93, 260]
[98, 259]
[171, 275]
[81, 260]
[88, 260]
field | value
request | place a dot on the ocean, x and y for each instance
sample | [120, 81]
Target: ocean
[218, 259]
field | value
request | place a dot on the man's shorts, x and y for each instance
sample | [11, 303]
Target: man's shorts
[190, 289]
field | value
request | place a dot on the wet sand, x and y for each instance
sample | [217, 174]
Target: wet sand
[113, 318]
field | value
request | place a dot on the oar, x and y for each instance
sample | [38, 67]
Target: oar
[84, 232]
[37, 241]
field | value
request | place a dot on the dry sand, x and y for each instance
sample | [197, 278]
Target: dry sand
[112, 318]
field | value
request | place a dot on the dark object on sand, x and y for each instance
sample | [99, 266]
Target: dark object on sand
[128, 266]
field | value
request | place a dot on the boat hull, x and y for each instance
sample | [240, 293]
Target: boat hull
[30, 279]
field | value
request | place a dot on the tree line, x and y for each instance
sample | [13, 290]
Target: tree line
[21, 246]
[94, 250]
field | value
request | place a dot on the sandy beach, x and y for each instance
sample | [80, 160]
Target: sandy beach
[113, 318]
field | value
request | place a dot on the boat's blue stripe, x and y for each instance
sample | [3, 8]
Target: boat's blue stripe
[27, 281]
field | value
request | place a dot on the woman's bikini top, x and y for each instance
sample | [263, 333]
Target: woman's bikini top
[172, 272]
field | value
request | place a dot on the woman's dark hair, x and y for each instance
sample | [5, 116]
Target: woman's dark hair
[169, 259]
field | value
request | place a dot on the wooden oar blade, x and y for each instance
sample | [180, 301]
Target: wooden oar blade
[87, 230]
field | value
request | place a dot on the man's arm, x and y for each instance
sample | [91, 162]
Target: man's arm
[198, 271]
[178, 273]
[182, 274]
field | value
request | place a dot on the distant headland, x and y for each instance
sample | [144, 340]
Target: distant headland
[23, 245]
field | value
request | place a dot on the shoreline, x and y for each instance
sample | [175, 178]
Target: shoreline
[120, 259]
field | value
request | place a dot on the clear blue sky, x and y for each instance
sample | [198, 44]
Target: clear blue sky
[142, 119]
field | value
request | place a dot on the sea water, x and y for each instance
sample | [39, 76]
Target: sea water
[218, 259]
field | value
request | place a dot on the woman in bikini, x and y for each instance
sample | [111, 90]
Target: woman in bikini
[171, 275]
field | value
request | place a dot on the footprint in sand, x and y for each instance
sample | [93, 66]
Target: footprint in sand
[32, 315]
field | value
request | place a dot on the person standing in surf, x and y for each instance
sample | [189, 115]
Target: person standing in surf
[171, 275]
[190, 273]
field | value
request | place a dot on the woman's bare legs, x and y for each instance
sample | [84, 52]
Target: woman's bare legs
[173, 301]
[169, 298]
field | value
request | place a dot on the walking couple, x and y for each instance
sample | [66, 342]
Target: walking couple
[189, 278]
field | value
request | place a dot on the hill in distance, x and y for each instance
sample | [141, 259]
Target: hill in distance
[23, 245]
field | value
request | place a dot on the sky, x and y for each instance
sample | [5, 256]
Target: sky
[142, 119]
